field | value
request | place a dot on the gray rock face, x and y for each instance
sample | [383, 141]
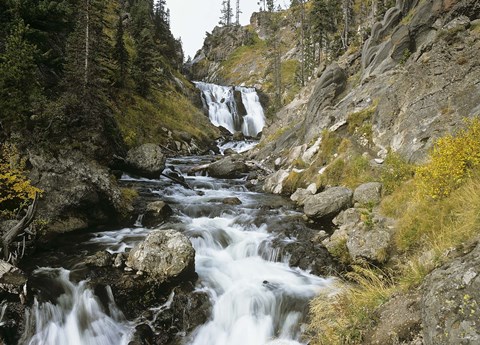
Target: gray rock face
[450, 302]
[79, 192]
[300, 195]
[228, 167]
[274, 183]
[368, 193]
[146, 160]
[164, 254]
[155, 213]
[369, 244]
[328, 203]
[12, 279]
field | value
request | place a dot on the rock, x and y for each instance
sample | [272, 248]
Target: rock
[451, 300]
[12, 279]
[369, 244]
[100, 259]
[273, 183]
[238, 136]
[300, 195]
[79, 192]
[146, 160]
[368, 193]
[312, 257]
[328, 203]
[399, 321]
[229, 152]
[155, 213]
[232, 201]
[164, 254]
[228, 167]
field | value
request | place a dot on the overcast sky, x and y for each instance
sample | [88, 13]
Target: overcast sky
[190, 19]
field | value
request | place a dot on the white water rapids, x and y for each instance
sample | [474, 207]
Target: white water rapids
[223, 109]
[257, 298]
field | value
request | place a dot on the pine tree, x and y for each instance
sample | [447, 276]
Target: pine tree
[19, 89]
[226, 13]
[120, 53]
[237, 13]
[270, 5]
[144, 62]
[323, 19]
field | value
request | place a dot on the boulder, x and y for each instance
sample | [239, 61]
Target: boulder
[155, 213]
[274, 183]
[164, 254]
[229, 152]
[450, 302]
[328, 203]
[228, 167]
[146, 160]
[368, 193]
[369, 244]
[300, 195]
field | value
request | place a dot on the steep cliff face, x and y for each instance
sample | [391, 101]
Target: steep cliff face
[417, 73]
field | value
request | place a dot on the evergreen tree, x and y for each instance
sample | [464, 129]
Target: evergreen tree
[144, 62]
[19, 88]
[270, 5]
[120, 53]
[323, 17]
[226, 13]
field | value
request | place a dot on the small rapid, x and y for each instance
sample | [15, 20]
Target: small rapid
[256, 297]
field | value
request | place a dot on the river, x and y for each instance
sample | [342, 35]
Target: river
[256, 297]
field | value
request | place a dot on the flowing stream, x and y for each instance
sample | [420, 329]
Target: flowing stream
[257, 298]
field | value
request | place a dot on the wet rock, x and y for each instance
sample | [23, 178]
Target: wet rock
[229, 152]
[143, 335]
[312, 256]
[155, 213]
[274, 183]
[146, 160]
[164, 254]
[232, 201]
[368, 193]
[238, 136]
[451, 300]
[12, 279]
[100, 259]
[328, 203]
[228, 167]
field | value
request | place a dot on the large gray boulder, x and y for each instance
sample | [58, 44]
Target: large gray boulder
[328, 203]
[450, 302]
[371, 244]
[274, 182]
[163, 255]
[12, 279]
[301, 194]
[146, 160]
[368, 193]
[228, 167]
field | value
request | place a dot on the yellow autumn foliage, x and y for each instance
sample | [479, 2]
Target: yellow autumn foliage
[453, 160]
[15, 187]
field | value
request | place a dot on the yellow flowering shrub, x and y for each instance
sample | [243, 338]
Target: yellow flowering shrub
[15, 188]
[453, 160]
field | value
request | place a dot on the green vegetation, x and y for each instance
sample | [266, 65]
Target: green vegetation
[436, 211]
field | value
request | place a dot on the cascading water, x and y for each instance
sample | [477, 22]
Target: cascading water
[72, 314]
[224, 108]
[257, 298]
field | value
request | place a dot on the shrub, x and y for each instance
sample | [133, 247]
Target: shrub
[452, 161]
[395, 172]
[16, 189]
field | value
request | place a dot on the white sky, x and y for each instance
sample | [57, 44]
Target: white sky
[190, 19]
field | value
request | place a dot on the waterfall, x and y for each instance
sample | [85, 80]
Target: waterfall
[235, 108]
[68, 313]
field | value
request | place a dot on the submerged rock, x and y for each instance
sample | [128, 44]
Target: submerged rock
[164, 254]
[328, 203]
[146, 160]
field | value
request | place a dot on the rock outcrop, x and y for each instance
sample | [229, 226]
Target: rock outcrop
[164, 255]
[368, 194]
[451, 300]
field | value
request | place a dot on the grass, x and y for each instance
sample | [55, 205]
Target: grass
[344, 318]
